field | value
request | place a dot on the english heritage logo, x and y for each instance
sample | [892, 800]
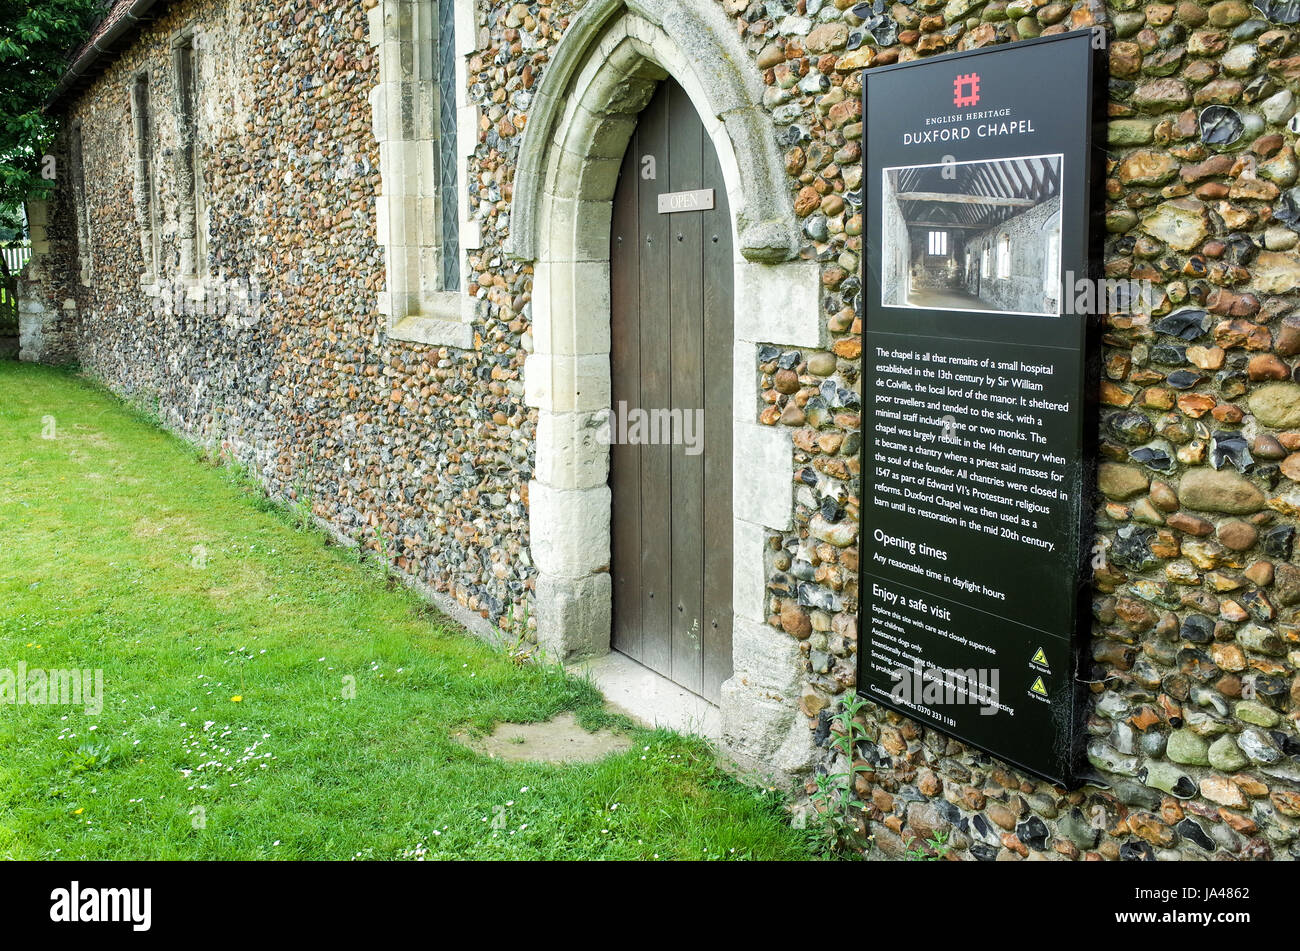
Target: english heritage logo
[966, 90]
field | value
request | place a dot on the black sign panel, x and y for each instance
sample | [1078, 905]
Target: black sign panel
[977, 477]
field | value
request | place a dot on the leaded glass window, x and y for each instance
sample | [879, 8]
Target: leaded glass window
[448, 187]
[417, 105]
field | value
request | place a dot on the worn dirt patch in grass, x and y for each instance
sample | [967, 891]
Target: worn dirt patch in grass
[89, 435]
[560, 740]
[174, 526]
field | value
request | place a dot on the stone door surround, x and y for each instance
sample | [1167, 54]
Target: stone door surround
[601, 76]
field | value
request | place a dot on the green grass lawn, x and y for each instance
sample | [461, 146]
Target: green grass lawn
[227, 638]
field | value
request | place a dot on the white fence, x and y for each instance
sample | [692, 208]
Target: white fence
[16, 255]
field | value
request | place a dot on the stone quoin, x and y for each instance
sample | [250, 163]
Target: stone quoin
[364, 249]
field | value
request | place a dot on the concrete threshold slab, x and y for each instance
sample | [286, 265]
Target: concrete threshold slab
[650, 698]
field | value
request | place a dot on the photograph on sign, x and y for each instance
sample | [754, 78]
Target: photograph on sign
[982, 236]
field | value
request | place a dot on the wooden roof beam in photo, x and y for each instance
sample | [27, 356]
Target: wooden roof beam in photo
[1036, 178]
[949, 225]
[1001, 172]
[1024, 184]
[1050, 176]
[950, 198]
[1043, 180]
[982, 183]
[969, 214]
[987, 184]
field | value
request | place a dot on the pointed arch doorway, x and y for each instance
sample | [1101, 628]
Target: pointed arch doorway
[671, 336]
[608, 66]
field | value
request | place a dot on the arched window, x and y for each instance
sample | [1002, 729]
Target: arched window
[1004, 256]
[145, 193]
[1052, 261]
[192, 211]
[79, 197]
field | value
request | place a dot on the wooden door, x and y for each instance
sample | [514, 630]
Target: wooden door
[671, 350]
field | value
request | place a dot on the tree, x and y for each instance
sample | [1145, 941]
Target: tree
[36, 37]
[11, 225]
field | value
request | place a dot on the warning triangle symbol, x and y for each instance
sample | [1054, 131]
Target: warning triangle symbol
[1040, 658]
[1038, 687]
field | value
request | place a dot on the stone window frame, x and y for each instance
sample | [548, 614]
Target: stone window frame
[144, 194]
[1002, 244]
[408, 214]
[191, 228]
[81, 202]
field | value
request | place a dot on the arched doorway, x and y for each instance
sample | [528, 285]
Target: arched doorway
[671, 282]
[607, 68]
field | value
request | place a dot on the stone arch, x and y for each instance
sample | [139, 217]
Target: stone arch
[698, 45]
[602, 75]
